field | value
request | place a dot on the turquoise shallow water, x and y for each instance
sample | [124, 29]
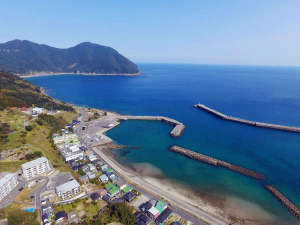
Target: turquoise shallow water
[269, 94]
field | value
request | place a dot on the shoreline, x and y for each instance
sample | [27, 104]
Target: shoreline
[220, 208]
[45, 74]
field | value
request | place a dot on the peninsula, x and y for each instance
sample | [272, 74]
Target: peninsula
[84, 58]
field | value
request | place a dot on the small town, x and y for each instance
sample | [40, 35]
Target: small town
[93, 184]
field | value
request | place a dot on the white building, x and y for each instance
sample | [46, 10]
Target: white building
[37, 111]
[8, 181]
[68, 189]
[36, 167]
[71, 153]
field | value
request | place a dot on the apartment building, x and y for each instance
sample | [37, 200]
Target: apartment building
[8, 181]
[36, 168]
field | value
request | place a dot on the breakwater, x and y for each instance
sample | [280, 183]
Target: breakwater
[175, 132]
[248, 122]
[284, 201]
[216, 162]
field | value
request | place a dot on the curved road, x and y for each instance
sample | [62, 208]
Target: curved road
[186, 206]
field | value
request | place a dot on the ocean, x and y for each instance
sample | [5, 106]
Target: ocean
[266, 94]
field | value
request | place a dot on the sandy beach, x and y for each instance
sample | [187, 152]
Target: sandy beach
[42, 74]
[225, 210]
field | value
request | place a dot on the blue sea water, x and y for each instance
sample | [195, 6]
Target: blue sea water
[268, 94]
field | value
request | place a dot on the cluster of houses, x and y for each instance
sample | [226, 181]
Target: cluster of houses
[158, 211]
[46, 211]
[69, 147]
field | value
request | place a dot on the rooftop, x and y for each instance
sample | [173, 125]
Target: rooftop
[67, 186]
[34, 163]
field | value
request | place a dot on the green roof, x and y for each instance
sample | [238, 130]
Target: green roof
[114, 190]
[160, 205]
[109, 170]
[127, 189]
[109, 186]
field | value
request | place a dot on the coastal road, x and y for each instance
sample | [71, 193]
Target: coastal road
[180, 203]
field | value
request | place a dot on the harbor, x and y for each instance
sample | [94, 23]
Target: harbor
[216, 162]
[175, 132]
[248, 122]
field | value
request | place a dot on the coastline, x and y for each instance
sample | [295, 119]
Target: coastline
[178, 191]
[226, 208]
[45, 74]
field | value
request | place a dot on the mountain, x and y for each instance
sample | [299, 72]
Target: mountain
[25, 57]
[16, 92]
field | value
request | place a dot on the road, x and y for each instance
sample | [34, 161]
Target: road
[183, 205]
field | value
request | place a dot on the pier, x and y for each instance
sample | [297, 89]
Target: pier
[216, 162]
[175, 132]
[284, 201]
[248, 122]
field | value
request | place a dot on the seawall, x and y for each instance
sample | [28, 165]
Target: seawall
[248, 122]
[216, 162]
[284, 201]
[175, 132]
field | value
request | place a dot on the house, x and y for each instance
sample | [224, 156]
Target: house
[161, 206]
[8, 181]
[114, 191]
[71, 153]
[68, 189]
[109, 186]
[106, 198]
[103, 178]
[85, 168]
[141, 218]
[95, 196]
[92, 157]
[153, 213]
[129, 196]
[91, 175]
[47, 209]
[92, 167]
[37, 111]
[176, 223]
[113, 177]
[104, 168]
[72, 217]
[163, 216]
[102, 192]
[126, 188]
[145, 206]
[36, 167]
[60, 217]
[84, 179]
[45, 219]
[109, 171]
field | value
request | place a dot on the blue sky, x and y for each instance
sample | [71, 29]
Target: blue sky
[259, 32]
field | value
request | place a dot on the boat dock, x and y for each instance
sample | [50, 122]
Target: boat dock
[248, 122]
[284, 201]
[175, 132]
[216, 162]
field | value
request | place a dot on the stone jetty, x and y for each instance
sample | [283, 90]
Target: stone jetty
[175, 132]
[216, 162]
[284, 201]
[248, 122]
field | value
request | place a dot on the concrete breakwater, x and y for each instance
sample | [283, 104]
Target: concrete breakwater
[284, 201]
[216, 162]
[175, 132]
[248, 122]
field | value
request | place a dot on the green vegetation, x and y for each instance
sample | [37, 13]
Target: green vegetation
[88, 207]
[118, 213]
[19, 217]
[31, 156]
[16, 92]
[24, 56]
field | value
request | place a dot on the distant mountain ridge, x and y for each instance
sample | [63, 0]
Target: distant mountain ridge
[25, 57]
